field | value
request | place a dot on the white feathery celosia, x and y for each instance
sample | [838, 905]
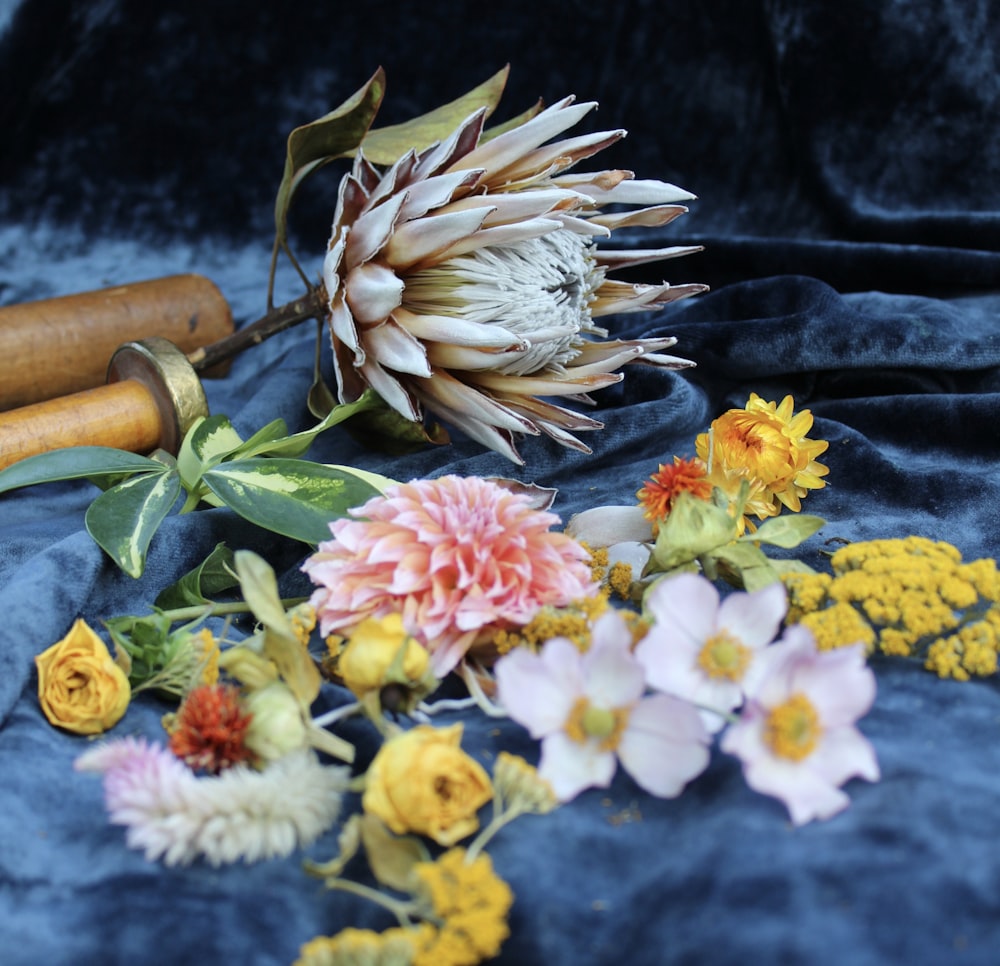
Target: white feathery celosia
[240, 814]
[465, 279]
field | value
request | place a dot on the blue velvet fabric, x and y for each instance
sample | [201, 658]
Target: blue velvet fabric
[848, 160]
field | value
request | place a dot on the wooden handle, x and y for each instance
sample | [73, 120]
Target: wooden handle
[60, 346]
[124, 415]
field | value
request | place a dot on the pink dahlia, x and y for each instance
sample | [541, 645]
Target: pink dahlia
[459, 558]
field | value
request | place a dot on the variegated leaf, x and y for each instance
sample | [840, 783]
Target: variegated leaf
[75, 463]
[292, 497]
[123, 520]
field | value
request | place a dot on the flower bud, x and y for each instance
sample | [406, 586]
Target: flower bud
[382, 657]
[277, 726]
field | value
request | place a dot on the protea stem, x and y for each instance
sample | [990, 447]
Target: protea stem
[309, 306]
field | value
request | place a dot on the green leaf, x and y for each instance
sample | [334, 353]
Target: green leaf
[122, 521]
[74, 463]
[391, 857]
[692, 528]
[212, 576]
[208, 442]
[387, 144]
[281, 645]
[745, 565]
[295, 498]
[786, 531]
[296, 444]
[332, 136]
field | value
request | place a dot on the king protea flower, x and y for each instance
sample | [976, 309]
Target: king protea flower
[465, 279]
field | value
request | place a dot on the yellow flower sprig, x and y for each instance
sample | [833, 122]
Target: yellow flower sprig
[911, 597]
[456, 906]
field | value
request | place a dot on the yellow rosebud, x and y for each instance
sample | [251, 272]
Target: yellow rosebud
[381, 653]
[80, 687]
[277, 726]
[421, 781]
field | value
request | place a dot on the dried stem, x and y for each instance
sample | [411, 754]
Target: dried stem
[309, 306]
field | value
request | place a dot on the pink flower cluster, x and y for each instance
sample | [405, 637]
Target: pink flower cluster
[655, 705]
[459, 558]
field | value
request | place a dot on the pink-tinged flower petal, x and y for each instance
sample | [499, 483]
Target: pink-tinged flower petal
[433, 193]
[806, 794]
[372, 292]
[664, 746]
[633, 192]
[839, 683]
[417, 240]
[845, 753]
[396, 349]
[613, 677]
[755, 617]
[686, 605]
[506, 148]
[570, 766]
[371, 232]
[535, 692]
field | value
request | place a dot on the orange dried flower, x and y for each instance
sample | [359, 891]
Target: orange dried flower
[210, 729]
[668, 482]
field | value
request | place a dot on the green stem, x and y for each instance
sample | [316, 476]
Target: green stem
[217, 609]
[400, 909]
[496, 823]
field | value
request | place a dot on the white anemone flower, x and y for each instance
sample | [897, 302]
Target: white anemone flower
[465, 279]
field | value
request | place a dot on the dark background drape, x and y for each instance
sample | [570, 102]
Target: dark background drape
[847, 162]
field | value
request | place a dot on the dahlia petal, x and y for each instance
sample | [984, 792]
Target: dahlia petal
[653, 217]
[372, 291]
[417, 240]
[664, 746]
[396, 349]
[371, 231]
[754, 617]
[508, 147]
[570, 767]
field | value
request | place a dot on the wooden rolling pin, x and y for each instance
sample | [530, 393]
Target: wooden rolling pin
[152, 397]
[59, 346]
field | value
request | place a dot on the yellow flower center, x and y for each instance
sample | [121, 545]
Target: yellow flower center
[792, 729]
[724, 656]
[588, 722]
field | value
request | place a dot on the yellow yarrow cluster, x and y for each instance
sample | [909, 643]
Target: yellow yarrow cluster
[364, 947]
[910, 597]
[471, 902]
[573, 622]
